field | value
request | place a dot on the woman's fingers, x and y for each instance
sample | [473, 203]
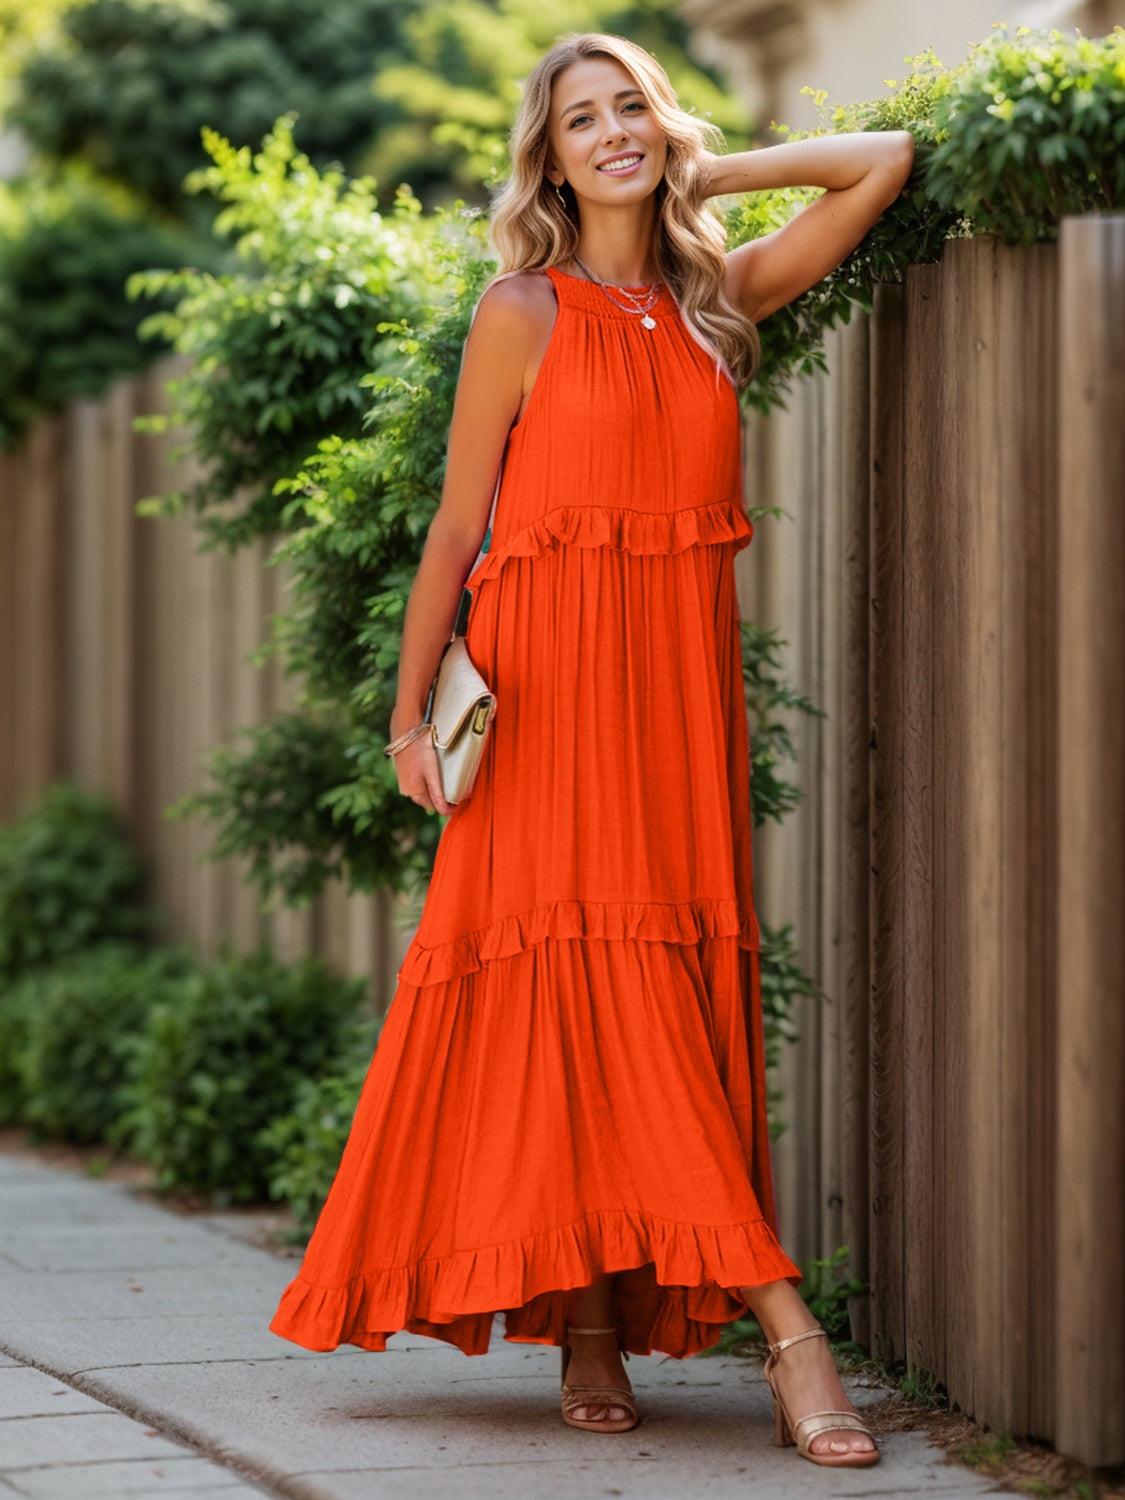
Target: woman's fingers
[437, 796]
[419, 777]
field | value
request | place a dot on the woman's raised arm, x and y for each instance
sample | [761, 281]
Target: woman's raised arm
[862, 172]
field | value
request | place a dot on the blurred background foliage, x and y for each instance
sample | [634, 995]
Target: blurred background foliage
[127, 85]
[110, 100]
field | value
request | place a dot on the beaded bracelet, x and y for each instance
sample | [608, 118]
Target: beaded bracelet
[408, 736]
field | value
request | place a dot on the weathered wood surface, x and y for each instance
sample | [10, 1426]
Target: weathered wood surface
[1089, 968]
[957, 872]
[123, 659]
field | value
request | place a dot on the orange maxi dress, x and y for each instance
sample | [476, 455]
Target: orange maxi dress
[570, 1078]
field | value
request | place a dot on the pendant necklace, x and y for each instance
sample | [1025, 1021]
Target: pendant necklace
[640, 305]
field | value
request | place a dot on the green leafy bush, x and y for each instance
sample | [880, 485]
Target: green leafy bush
[783, 983]
[1032, 127]
[1029, 127]
[767, 692]
[14, 1012]
[67, 330]
[279, 348]
[221, 1057]
[127, 85]
[68, 878]
[306, 1144]
[81, 1020]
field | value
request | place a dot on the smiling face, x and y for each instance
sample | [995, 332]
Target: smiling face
[604, 139]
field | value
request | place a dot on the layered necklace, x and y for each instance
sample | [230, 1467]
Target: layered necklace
[641, 305]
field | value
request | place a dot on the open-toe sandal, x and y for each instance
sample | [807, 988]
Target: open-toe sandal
[801, 1432]
[596, 1397]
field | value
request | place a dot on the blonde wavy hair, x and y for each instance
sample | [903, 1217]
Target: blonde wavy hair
[531, 229]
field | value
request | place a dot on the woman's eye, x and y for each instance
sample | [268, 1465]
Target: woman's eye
[581, 119]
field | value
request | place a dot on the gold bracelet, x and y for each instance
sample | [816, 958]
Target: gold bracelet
[408, 736]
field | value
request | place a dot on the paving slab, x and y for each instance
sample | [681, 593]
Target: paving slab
[162, 1322]
[139, 1480]
[29, 1393]
[57, 1443]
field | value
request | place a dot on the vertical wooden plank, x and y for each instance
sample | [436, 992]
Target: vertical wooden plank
[804, 629]
[967, 828]
[824, 813]
[37, 596]
[175, 682]
[1013, 345]
[208, 604]
[116, 587]
[293, 930]
[853, 810]
[84, 619]
[244, 704]
[913, 551]
[771, 593]
[984, 832]
[10, 488]
[1025, 444]
[885, 1027]
[151, 477]
[1035, 1138]
[1090, 1312]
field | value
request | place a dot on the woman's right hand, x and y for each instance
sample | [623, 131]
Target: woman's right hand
[419, 776]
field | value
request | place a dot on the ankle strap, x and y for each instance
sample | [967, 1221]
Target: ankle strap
[570, 1329]
[809, 1333]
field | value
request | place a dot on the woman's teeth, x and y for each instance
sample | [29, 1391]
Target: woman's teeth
[620, 166]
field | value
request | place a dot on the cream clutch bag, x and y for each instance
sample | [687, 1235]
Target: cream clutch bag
[461, 708]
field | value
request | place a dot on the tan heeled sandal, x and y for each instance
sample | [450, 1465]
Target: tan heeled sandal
[787, 1432]
[574, 1397]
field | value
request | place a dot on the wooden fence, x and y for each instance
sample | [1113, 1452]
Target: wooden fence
[123, 659]
[952, 584]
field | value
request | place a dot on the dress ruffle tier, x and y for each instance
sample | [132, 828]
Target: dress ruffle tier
[571, 1075]
[521, 1131]
[639, 532]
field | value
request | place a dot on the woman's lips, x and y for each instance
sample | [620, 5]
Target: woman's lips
[623, 166]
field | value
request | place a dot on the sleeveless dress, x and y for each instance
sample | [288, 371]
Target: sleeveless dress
[570, 1078]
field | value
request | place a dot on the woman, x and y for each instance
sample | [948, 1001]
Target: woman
[565, 1116]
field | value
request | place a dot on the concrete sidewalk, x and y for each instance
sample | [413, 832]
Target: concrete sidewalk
[143, 1366]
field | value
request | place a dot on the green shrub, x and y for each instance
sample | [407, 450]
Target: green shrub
[67, 329]
[784, 982]
[280, 344]
[68, 878]
[221, 1057]
[14, 1011]
[127, 85]
[81, 1020]
[1030, 128]
[306, 1144]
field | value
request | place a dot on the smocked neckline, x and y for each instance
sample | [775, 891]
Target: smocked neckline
[591, 297]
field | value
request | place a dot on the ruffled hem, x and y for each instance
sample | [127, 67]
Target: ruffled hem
[622, 530]
[676, 1288]
[689, 922]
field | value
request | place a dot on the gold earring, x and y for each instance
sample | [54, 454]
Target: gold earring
[559, 196]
